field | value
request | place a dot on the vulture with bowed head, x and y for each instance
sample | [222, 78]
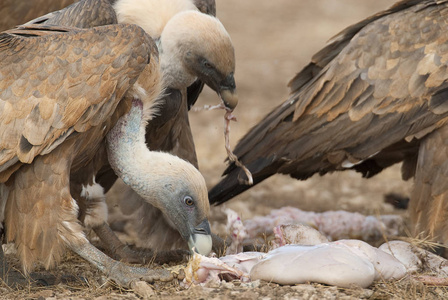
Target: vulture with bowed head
[376, 95]
[171, 132]
[194, 48]
[66, 91]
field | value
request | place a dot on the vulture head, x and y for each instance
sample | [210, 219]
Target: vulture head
[197, 46]
[187, 186]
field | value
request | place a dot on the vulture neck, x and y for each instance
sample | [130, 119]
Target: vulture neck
[171, 61]
[153, 16]
[141, 169]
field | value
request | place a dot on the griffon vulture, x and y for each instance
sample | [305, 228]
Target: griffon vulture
[63, 90]
[194, 48]
[171, 132]
[376, 95]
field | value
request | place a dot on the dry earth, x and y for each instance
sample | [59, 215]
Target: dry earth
[273, 40]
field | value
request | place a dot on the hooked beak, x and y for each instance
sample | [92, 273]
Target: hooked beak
[229, 98]
[201, 240]
[227, 91]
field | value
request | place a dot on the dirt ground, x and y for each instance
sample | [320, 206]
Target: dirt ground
[273, 40]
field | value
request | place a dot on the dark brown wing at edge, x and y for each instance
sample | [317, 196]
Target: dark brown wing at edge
[206, 6]
[82, 14]
[340, 40]
[13, 12]
[265, 166]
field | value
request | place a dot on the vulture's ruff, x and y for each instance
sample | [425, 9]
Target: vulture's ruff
[63, 92]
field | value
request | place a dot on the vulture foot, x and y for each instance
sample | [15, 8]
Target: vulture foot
[119, 272]
[219, 245]
[124, 253]
[126, 275]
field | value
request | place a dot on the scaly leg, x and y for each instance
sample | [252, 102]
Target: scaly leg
[95, 215]
[122, 252]
[122, 274]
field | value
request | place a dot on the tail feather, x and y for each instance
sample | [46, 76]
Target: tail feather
[429, 199]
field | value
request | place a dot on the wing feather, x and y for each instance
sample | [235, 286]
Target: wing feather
[206, 6]
[38, 117]
[82, 14]
[14, 12]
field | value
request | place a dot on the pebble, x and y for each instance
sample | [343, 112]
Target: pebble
[143, 289]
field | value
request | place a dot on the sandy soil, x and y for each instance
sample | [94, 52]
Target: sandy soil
[273, 40]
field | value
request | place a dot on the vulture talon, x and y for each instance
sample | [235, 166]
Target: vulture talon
[118, 271]
[125, 275]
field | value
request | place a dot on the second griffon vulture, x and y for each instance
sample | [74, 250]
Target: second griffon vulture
[171, 132]
[195, 48]
[376, 95]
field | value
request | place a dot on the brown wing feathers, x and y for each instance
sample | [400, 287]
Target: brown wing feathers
[56, 63]
[49, 128]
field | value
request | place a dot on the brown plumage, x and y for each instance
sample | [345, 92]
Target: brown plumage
[63, 92]
[373, 97]
[42, 108]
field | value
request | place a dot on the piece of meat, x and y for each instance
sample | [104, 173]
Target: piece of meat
[416, 259]
[344, 263]
[334, 225]
[297, 234]
[237, 232]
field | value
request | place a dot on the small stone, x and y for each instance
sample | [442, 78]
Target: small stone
[143, 289]
[227, 285]
[45, 294]
[252, 284]
[304, 287]
[366, 293]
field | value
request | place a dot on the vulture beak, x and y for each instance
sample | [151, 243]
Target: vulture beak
[201, 240]
[227, 92]
[229, 98]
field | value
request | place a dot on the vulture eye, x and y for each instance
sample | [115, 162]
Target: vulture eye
[207, 64]
[188, 201]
